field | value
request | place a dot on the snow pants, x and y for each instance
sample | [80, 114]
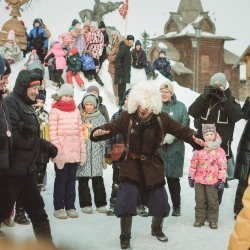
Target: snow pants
[238, 205]
[22, 188]
[175, 191]
[207, 204]
[129, 196]
[64, 187]
[98, 188]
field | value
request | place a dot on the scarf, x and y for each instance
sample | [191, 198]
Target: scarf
[211, 145]
[87, 126]
[65, 106]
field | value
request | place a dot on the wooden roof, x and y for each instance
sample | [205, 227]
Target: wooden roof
[230, 58]
[241, 60]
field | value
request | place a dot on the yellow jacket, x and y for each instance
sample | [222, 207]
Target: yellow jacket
[240, 237]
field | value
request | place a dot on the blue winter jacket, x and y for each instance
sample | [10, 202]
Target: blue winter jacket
[162, 64]
[37, 38]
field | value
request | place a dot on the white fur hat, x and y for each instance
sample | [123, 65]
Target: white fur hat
[145, 95]
[115, 32]
[95, 24]
[11, 35]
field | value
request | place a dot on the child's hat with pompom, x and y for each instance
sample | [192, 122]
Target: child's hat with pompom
[11, 35]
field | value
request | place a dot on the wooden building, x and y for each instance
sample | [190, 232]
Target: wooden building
[179, 32]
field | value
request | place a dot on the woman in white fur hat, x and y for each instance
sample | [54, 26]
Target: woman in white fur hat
[141, 174]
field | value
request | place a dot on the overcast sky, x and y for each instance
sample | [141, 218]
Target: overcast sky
[231, 17]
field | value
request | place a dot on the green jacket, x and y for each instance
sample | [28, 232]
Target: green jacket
[74, 63]
[173, 154]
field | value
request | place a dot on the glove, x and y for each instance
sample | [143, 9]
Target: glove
[108, 161]
[83, 158]
[27, 130]
[59, 161]
[52, 151]
[168, 139]
[191, 182]
[219, 184]
[100, 52]
[221, 95]
[207, 91]
[104, 164]
[3, 142]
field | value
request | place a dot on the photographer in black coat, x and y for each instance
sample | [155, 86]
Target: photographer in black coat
[242, 166]
[20, 181]
[217, 106]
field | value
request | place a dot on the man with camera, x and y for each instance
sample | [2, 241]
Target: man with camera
[216, 105]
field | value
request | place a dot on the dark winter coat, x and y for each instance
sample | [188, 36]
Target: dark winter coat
[123, 64]
[242, 166]
[163, 66]
[145, 140]
[25, 147]
[113, 140]
[173, 154]
[5, 153]
[37, 38]
[139, 59]
[106, 42]
[74, 63]
[223, 114]
[103, 109]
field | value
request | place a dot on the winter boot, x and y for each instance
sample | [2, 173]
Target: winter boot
[99, 80]
[83, 87]
[20, 217]
[176, 211]
[213, 225]
[198, 224]
[110, 211]
[141, 211]
[69, 76]
[154, 75]
[149, 75]
[78, 79]
[43, 233]
[9, 222]
[126, 224]
[156, 227]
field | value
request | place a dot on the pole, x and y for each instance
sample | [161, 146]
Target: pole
[198, 66]
[126, 20]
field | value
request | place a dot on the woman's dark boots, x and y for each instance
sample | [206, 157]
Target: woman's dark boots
[126, 225]
[156, 227]
[20, 217]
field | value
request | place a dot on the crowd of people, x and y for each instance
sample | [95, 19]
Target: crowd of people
[144, 141]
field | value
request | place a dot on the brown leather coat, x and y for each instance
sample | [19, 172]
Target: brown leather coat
[145, 139]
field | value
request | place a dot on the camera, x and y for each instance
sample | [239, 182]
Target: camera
[214, 90]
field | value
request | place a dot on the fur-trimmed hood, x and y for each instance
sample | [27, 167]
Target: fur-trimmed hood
[77, 32]
[144, 95]
[126, 43]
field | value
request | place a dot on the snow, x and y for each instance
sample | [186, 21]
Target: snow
[162, 45]
[98, 231]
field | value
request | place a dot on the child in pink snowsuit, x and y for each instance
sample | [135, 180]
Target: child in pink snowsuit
[207, 174]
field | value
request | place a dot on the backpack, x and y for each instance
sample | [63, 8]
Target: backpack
[87, 62]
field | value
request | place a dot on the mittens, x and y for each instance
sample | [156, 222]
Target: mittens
[219, 184]
[206, 91]
[108, 161]
[52, 151]
[191, 182]
[100, 52]
[168, 139]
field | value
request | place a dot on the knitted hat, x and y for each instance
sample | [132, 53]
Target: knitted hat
[137, 43]
[11, 35]
[37, 20]
[168, 85]
[102, 25]
[125, 96]
[74, 22]
[22, 22]
[34, 84]
[66, 89]
[90, 98]
[73, 51]
[86, 23]
[2, 67]
[94, 24]
[208, 128]
[93, 88]
[130, 37]
[219, 78]
[115, 32]
[163, 52]
[41, 95]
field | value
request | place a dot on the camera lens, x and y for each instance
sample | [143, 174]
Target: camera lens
[214, 90]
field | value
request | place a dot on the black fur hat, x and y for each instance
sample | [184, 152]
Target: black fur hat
[102, 25]
[130, 37]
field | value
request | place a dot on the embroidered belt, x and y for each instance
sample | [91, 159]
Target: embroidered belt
[142, 157]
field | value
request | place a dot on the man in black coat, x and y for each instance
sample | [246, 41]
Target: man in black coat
[5, 124]
[242, 166]
[123, 62]
[217, 106]
[20, 180]
[104, 56]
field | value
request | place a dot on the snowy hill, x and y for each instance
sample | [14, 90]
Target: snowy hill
[98, 231]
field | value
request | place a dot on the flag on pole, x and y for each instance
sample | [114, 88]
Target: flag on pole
[124, 9]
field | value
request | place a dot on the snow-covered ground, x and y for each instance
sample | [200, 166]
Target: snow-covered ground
[98, 231]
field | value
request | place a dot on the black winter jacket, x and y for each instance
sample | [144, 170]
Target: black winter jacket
[5, 125]
[139, 59]
[123, 64]
[223, 114]
[25, 148]
[242, 166]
